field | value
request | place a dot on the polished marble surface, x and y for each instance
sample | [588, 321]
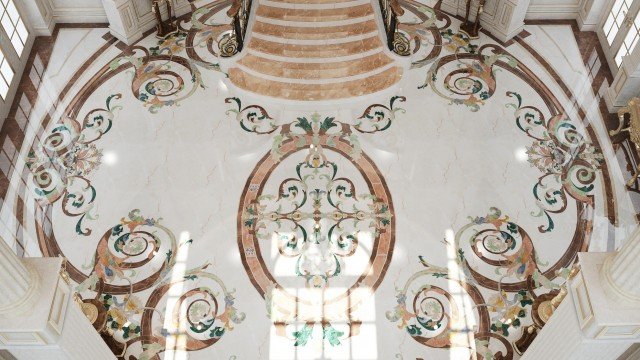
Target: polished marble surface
[207, 221]
[312, 50]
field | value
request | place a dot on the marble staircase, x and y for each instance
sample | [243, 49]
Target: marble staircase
[315, 50]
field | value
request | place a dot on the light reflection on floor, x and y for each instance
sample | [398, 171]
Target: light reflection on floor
[417, 181]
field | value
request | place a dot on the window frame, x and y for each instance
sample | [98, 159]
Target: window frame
[623, 19]
[16, 62]
[15, 34]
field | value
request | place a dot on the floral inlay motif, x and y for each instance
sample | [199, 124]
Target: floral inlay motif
[435, 318]
[318, 214]
[138, 254]
[317, 217]
[162, 76]
[569, 162]
[469, 82]
[62, 163]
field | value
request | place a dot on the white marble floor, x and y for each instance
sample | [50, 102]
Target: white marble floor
[204, 221]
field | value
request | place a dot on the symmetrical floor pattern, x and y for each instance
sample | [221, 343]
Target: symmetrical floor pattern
[315, 50]
[202, 221]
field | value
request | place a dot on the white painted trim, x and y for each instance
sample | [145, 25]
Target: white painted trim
[552, 11]
[80, 15]
[44, 31]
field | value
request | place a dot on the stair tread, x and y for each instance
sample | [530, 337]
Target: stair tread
[337, 90]
[311, 1]
[315, 15]
[315, 51]
[307, 33]
[332, 70]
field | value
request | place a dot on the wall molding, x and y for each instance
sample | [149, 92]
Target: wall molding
[553, 11]
[79, 15]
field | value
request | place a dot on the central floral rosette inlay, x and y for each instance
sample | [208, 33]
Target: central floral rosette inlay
[317, 217]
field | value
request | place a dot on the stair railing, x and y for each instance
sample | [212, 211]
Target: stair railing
[239, 13]
[396, 41]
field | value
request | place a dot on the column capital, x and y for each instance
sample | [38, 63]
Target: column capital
[36, 326]
[613, 290]
[19, 283]
[29, 298]
[600, 315]
[55, 327]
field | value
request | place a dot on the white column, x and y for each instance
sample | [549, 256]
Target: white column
[504, 19]
[39, 15]
[561, 339]
[621, 272]
[181, 7]
[600, 318]
[18, 284]
[38, 320]
[590, 13]
[123, 20]
[452, 6]
[507, 19]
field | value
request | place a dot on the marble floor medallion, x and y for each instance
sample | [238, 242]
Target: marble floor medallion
[322, 206]
[427, 216]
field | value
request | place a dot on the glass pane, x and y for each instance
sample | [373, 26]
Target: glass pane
[17, 44]
[4, 88]
[22, 32]
[6, 24]
[635, 42]
[608, 24]
[629, 38]
[617, 6]
[14, 26]
[13, 12]
[612, 35]
[620, 18]
[6, 71]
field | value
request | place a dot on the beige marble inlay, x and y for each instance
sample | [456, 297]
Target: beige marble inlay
[316, 70]
[317, 33]
[311, 1]
[313, 92]
[315, 15]
[315, 53]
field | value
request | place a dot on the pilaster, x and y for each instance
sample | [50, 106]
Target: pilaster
[589, 324]
[39, 14]
[123, 20]
[38, 320]
[589, 14]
